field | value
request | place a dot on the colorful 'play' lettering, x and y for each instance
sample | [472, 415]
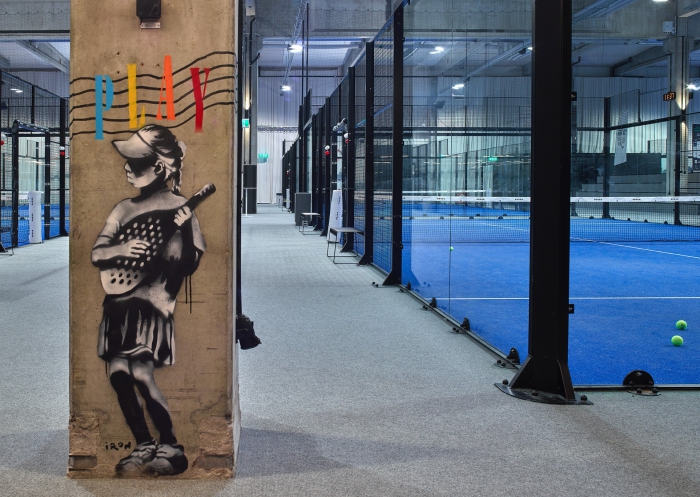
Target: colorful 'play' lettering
[104, 97]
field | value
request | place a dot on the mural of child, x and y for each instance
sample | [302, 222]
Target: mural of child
[143, 267]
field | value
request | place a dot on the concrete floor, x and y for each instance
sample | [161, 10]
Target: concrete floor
[355, 391]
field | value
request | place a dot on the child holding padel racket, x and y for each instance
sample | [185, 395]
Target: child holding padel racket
[143, 265]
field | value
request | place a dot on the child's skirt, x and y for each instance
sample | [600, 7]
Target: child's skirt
[134, 329]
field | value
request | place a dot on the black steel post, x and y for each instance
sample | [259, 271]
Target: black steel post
[607, 155]
[327, 186]
[15, 184]
[343, 150]
[62, 168]
[394, 276]
[32, 110]
[368, 256]
[314, 157]
[47, 185]
[677, 170]
[321, 167]
[349, 160]
[544, 376]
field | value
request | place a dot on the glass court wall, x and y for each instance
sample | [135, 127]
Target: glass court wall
[465, 175]
[466, 159]
[635, 216]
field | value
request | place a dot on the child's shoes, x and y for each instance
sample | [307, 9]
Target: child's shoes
[136, 462]
[169, 460]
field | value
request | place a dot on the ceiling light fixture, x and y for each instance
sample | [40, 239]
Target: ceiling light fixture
[286, 88]
[458, 86]
[295, 48]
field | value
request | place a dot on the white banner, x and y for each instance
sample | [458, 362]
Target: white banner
[621, 146]
[336, 217]
[35, 217]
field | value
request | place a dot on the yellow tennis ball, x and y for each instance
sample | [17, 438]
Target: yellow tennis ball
[677, 340]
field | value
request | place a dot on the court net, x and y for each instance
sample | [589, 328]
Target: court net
[464, 219]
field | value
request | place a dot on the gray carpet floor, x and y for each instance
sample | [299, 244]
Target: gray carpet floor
[355, 391]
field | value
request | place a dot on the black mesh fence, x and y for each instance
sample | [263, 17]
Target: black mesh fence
[32, 120]
[383, 157]
[360, 144]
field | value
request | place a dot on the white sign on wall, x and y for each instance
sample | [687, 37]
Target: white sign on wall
[621, 146]
[336, 217]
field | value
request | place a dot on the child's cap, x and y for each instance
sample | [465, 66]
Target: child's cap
[151, 141]
[140, 144]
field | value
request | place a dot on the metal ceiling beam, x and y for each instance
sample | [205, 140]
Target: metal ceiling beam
[47, 53]
[641, 60]
[689, 9]
[505, 55]
[295, 37]
[599, 8]
[320, 46]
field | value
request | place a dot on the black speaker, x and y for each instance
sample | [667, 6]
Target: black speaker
[148, 9]
[250, 176]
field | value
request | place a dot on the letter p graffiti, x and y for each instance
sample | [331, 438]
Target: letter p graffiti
[102, 105]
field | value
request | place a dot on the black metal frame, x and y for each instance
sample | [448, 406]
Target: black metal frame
[368, 256]
[62, 165]
[318, 160]
[327, 186]
[349, 165]
[314, 156]
[546, 368]
[394, 276]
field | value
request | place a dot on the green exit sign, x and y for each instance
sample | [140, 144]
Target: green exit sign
[493, 159]
[245, 123]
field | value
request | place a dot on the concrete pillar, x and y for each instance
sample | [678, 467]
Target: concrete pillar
[679, 47]
[153, 362]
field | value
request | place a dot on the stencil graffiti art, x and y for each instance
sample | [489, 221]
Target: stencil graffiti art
[149, 244]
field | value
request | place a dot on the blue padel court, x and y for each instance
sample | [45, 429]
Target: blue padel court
[23, 223]
[628, 292]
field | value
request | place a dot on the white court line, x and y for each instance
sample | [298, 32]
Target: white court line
[650, 250]
[570, 298]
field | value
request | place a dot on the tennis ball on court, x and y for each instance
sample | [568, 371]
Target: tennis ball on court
[677, 340]
[681, 325]
[452, 248]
